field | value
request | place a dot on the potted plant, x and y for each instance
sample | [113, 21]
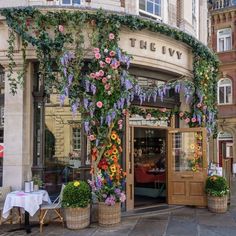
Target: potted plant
[38, 183]
[217, 190]
[76, 201]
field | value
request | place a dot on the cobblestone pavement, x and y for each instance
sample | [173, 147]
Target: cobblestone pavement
[185, 221]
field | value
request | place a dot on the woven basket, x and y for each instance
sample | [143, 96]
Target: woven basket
[77, 218]
[217, 204]
[109, 215]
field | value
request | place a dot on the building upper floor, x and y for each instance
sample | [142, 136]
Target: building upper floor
[189, 16]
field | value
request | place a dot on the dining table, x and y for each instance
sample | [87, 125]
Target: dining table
[28, 201]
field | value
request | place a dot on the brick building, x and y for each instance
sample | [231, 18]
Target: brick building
[222, 39]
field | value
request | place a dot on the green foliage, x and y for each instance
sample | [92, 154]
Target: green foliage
[37, 180]
[216, 186]
[76, 194]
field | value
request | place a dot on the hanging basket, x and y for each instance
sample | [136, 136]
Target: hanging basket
[77, 218]
[217, 204]
[109, 215]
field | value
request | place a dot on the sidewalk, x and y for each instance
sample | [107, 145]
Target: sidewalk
[185, 221]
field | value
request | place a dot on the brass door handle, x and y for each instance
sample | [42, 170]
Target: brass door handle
[186, 176]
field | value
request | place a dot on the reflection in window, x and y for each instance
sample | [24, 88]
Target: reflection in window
[225, 91]
[187, 151]
[152, 7]
[70, 2]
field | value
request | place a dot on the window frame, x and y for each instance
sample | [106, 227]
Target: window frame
[224, 40]
[71, 3]
[225, 92]
[145, 12]
[72, 138]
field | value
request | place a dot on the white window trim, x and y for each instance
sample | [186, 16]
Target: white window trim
[70, 4]
[224, 37]
[153, 15]
[218, 92]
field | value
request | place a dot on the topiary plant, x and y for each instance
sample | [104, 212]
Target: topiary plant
[76, 194]
[216, 186]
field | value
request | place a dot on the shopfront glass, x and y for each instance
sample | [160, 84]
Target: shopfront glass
[2, 85]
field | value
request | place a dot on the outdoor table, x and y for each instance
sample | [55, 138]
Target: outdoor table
[30, 202]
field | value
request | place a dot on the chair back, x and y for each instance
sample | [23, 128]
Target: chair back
[3, 193]
[61, 193]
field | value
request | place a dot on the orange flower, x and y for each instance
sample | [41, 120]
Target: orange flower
[115, 158]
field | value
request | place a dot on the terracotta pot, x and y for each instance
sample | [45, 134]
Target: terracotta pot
[217, 204]
[77, 218]
[109, 215]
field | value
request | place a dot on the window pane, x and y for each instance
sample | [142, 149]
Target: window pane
[157, 10]
[187, 151]
[221, 95]
[66, 1]
[142, 5]
[76, 1]
[228, 43]
[150, 7]
[221, 45]
[228, 94]
[158, 1]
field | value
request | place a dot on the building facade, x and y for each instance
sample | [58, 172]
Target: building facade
[49, 141]
[222, 41]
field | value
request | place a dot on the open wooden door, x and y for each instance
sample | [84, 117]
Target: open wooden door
[129, 169]
[187, 166]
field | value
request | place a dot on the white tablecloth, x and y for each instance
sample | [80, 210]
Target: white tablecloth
[29, 201]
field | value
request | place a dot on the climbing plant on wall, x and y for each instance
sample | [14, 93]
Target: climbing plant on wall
[95, 78]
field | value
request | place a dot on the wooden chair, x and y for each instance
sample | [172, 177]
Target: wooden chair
[55, 207]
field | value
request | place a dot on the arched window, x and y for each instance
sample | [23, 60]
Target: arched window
[225, 91]
[224, 40]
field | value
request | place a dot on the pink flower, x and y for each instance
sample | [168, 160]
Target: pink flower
[199, 105]
[111, 36]
[104, 80]
[148, 116]
[120, 122]
[181, 114]
[97, 74]
[187, 120]
[112, 53]
[107, 86]
[101, 72]
[102, 64]
[92, 137]
[92, 75]
[122, 197]
[96, 50]
[193, 119]
[118, 63]
[97, 55]
[99, 104]
[163, 109]
[120, 126]
[61, 28]
[114, 66]
[108, 60]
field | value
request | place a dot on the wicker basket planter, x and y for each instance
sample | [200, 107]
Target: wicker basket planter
[77, 218]
[109, 215]
[217, 204]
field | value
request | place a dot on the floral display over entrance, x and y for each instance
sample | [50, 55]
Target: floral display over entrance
[99, 85]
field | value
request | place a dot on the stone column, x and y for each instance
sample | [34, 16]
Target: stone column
[17, 134]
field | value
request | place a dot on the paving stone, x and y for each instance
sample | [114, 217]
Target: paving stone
[216, 231]
[179, 225]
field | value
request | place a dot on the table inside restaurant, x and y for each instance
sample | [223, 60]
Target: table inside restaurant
[30, 202]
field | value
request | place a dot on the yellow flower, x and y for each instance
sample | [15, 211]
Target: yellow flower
[194, 169]
[192, 146]
[113, 136]
[113, 168]
[119, 141]
[76, 183]
[115, 151]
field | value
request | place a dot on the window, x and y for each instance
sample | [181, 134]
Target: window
[225, 91]
[1, 116]
[150, 7]
[70, 2]
[224, 40]
[76, 138]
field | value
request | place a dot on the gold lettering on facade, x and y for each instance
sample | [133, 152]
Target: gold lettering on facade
[132, 42]
[171, 51]
[163, 49]
[152, 47]
[143, 44]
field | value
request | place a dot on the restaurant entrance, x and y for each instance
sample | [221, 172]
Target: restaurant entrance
[149, 154]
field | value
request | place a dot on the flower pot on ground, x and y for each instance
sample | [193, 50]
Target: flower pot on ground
[217, 190]
[76, 201]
